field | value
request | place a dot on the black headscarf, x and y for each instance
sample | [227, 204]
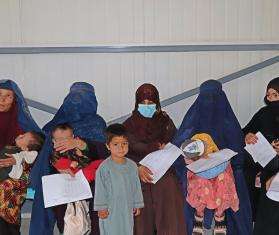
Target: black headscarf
[273, 84]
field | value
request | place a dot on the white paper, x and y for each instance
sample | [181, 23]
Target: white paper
[261, 152]
[273, 191]
[62, 188]
[214, 159]
[160, 161]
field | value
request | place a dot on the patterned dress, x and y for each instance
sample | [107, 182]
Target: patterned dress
[218, 193]
[12, 196]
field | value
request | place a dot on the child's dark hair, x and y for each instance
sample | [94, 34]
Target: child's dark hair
[115, 130]
[37, 142]
[63, 126]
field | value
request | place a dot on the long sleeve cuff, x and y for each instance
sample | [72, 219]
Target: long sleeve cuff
[138, 205]
[98, 207]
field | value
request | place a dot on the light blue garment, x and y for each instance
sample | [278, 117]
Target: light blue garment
[147, 110]
[30, 194]
[118, 189]
[213, 172]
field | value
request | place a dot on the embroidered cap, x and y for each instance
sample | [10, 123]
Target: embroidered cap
[192, 148]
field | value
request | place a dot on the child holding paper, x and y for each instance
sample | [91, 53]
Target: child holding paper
[213, 189]
[118, 196]
[71, 162]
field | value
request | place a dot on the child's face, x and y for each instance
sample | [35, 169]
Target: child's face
[22, 141]
[118, 146]
[61, 134]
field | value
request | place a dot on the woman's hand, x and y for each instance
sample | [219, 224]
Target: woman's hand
[268, 183]
[7, 161]
[74, 164]
[66, 145]
[275, 145]
[145, 174]
[251, 138]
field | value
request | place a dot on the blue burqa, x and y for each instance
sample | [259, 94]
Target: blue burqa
[25, 120]
[211, 113]
[79, 109]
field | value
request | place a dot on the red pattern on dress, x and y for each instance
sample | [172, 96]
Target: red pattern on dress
[218, 193]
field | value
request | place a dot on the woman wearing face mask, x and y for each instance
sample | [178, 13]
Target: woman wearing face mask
[266, 121]
[150, 129]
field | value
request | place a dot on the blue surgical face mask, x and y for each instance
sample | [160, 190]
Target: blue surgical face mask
[147, 110]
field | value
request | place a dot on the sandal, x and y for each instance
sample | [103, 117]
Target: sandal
[198, 225]
[220, 226]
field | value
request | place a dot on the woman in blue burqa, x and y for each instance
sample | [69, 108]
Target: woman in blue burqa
[211, 113]
[15, 119]
[79, 110]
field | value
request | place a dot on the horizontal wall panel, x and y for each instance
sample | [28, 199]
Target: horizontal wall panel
[46, 78]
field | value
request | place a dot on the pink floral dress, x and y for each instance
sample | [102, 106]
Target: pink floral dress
[218, 193]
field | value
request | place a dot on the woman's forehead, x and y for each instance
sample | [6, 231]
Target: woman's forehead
[6, 91]
[147, 101]
[271, 90]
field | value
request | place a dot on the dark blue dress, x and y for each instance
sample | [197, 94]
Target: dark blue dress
[79, 109]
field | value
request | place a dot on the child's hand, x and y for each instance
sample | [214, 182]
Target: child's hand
[67, 171]
[188, 160]
[103, 214]
[79, 153]
[74, 164]
[136, 211]
[161, 146]
[204, 156]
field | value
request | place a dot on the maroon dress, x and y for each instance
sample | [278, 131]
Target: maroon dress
[12, 192]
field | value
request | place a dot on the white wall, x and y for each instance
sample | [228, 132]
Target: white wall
[137, 21]
[245, 94]
[47, 77]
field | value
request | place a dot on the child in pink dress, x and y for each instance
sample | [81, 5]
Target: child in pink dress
[218, 193]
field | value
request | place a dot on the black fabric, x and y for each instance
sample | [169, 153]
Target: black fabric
[267, 221]
[273, 84]
[9, 229]
[266, 211]
[267, 122]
